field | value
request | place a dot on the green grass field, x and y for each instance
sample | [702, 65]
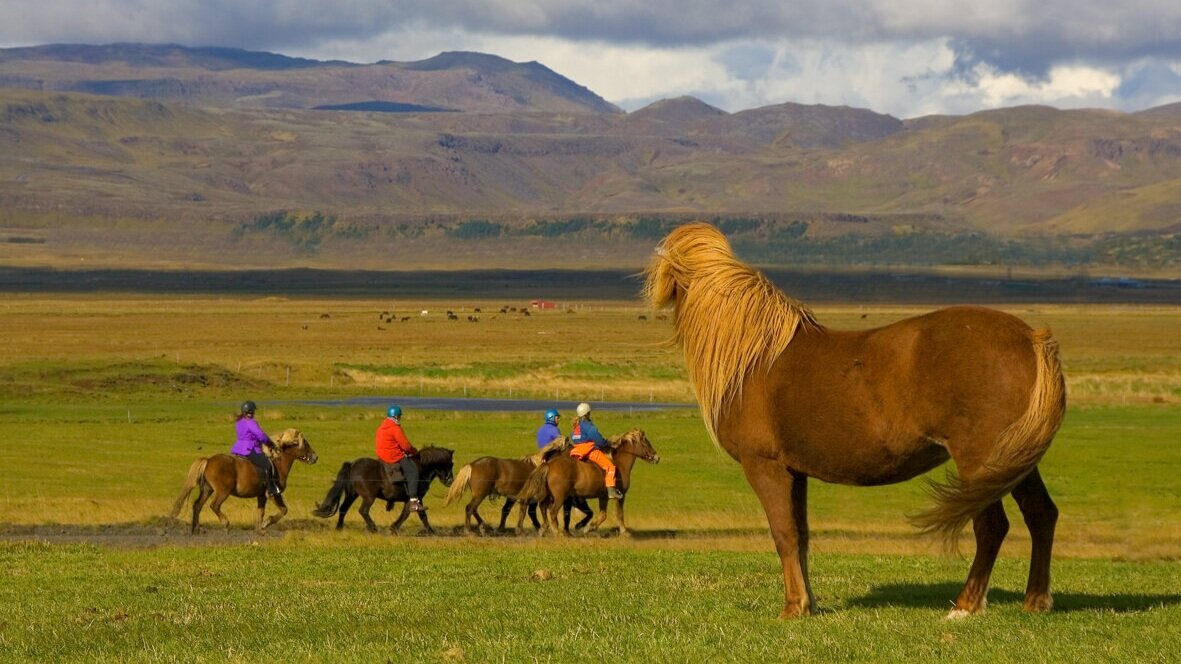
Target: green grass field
[100, 419]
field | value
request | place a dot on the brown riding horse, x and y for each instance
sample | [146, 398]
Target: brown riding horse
[564, 476]
[791, 399]
[225, 475]
[364, 479]
[493, 476]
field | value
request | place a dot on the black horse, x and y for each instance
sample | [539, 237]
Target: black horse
[363, 478]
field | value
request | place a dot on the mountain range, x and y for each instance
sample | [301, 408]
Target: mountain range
[168, 155]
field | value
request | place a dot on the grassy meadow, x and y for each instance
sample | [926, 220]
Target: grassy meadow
[105, 400]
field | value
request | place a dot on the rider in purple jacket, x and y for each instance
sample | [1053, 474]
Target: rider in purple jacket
[249, 445]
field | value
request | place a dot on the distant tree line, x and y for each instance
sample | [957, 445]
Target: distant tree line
[763, 239]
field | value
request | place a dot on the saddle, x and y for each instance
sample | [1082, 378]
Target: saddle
[394, 472]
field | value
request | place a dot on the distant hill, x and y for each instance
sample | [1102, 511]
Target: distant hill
[234, 78]
[465, 158]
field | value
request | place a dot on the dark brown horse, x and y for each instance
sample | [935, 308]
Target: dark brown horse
[225, 475]
[563, 476]
[492, 476]
[791, 399]
[363, 479]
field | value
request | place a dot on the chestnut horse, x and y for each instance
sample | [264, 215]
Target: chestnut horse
[363, 479]
[493, 476]
[225, 475]
[563, 477]
[790, 399]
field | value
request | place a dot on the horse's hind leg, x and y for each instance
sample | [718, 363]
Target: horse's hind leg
[344, 509]
[198, 503]
[215, 505]
[366, 503]
[1041, 515]
[990, 525]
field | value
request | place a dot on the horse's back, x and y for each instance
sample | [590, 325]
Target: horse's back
[895, 399]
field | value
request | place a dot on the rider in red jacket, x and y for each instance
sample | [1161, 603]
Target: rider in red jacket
[394, 449]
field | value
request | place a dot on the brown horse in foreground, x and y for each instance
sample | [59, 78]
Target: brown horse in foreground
[225, 475]
[791, 399]
[364, 479]
[494, 476]
[563, 476]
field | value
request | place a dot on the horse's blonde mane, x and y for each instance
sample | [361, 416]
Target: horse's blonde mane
[729, 319]
[289, 438]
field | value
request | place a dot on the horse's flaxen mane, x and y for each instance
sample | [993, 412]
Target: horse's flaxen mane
[729, 318]
[289, 438]
[554, 447]
[627, 437]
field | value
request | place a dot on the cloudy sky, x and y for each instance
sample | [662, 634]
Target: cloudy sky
[903, 57]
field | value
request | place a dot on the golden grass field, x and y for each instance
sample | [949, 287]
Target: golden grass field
[1112, 354]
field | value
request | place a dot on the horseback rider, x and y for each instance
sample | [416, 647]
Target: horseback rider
[394, 450]
[590, 445]
[549, 431]
[249, 445]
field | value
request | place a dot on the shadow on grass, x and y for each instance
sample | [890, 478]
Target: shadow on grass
[917, 595]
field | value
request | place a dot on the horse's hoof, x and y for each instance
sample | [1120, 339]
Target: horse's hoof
[1039, 603]
[624, 533]
[793, 612]
[957, 614]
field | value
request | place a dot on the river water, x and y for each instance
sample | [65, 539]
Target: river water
[493, 405]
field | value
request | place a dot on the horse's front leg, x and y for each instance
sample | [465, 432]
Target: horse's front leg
[426, 524]
[262, 509]
[598, 520]
[274, 518]
[397, 524]
[623, 531]
[504, 514]
[784, 496]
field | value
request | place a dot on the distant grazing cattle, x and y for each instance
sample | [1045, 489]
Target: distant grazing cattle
[405, 318]
[324, 316]
[643, 317]
[424, 312]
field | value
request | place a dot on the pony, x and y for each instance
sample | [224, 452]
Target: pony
[363, 478]
[225, 475]
[493, 476]
[791, 399]
[563, 476]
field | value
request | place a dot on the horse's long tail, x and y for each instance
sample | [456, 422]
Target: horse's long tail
[195, 472]
[536, 487]
[336, 492]
[1018, 450]
[459, 485]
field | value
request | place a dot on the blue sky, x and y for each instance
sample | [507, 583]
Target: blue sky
[904, 57]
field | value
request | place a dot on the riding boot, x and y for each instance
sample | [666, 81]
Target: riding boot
[416, 505]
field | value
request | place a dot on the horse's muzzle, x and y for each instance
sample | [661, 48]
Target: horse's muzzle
[655, 459]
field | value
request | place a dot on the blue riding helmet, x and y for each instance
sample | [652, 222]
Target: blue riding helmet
[551, 416]
[394, 412]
